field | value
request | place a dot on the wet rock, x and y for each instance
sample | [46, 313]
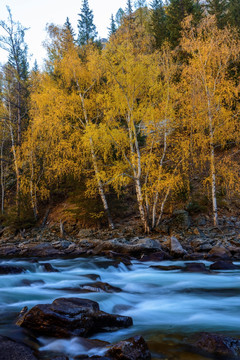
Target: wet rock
[134, 348]
[195, 267]
[176, 248]
[11, 350]
[167, 267]
[67, 317]
[157, 256]
[219, 252]
[224, 265]
[93, 277]
[48, 267]
[7, 269]
[215, 344]
[27, 282]
[193, 256]
[100, 287]
[135, 246]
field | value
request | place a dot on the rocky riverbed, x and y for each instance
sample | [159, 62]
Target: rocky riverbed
[109, 296]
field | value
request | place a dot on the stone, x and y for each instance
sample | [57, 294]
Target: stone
[167, 267]
[7, 269]
[157, 256]
[48, 267]
[67, 317]
[99, 286]
[12, 350]
[176, 248]
[223, 265]
[219, 252]
[195, 267]
[215, 344]
[134, 348]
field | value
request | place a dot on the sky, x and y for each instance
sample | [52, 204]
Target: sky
[35, 14]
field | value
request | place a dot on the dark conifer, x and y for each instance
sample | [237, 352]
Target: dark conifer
[158, 22]
[113, 28]
[219, 9]
[87, 30]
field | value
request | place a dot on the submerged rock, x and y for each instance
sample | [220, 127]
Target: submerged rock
[7, 269]
[134, 348]
[222, 346]
[48, 267]
[195, 267]
[67, 317]
[100, 287]
[224, 265]
[12, 350]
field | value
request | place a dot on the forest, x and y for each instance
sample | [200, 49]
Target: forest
[148, 119]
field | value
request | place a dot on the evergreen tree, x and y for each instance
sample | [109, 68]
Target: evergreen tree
[219, 9]
[119, 16]
[68, 28]
[67, 35]
[234, 13]
[113, 27]
[87, 30]
[129, 8]
[158, 22]
[177, 10]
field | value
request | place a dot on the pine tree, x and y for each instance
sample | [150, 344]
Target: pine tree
[176, 12]
[68, 28]
[119, 16]
[158, 22]
[113, 27]
[87, 30]
[234, 13]
[129, 8]
[219, 9]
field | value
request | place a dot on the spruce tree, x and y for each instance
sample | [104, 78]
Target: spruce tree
[176, 12]
[234, 13]
[158, 22]
[113, 27]
[219, 9]
[87, 30]
[67, 35]
[119, 16]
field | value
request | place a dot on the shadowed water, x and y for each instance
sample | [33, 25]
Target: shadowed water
[165, 305]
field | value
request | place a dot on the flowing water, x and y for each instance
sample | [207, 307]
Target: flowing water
[165, 306]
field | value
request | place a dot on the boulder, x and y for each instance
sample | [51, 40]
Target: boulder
[224, 265]
[219, 252]
[12, 350]
[99, 286]
[48, 267]
[134, 348]
[176, 248]
[195, 267]
[7, 269]
[67, 317]
[156, 256]
[167, 267]
[215, 344]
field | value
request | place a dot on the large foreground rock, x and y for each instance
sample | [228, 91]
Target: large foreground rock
[67, 317]
[224, 347]
[134, 348]
[11, 350]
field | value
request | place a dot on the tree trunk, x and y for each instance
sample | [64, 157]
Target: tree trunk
[212, 165]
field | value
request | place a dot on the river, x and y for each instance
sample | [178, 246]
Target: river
[165, 306]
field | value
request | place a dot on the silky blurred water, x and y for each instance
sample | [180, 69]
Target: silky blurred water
[159, 301]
